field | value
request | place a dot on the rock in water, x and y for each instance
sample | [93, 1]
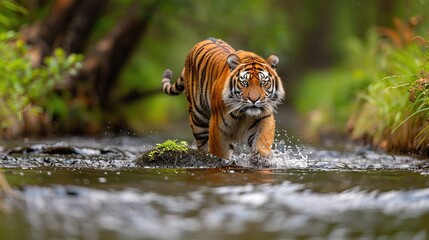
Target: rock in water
[174, 154]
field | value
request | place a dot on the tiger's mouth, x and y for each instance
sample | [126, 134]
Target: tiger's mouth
[242, 107]
[253, 110]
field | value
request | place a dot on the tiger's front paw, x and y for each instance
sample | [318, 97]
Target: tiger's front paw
[260, 160]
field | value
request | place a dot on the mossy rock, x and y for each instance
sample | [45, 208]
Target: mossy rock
[175, 154]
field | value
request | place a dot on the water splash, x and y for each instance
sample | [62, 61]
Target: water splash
[287, 153]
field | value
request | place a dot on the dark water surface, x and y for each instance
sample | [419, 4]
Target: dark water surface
[96, 191]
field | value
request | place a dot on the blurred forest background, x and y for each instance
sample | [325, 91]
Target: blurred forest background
[350, 67]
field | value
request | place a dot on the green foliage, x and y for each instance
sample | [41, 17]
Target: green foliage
[327, 97]
[385, 104]
[380, 93]
[169, 145]
[10, 10]
[418, 99]
[22, 86]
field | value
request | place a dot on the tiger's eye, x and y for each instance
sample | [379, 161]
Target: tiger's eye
[244, 77]
[264, 79]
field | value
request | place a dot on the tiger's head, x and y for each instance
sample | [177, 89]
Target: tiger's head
[253, 87]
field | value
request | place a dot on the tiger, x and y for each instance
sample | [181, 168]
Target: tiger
[232, 97]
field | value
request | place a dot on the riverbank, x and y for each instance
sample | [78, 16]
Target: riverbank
[379, 95]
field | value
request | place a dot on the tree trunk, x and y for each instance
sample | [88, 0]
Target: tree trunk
[81, 24]
[42, 36]
[107, 57]
[69, 25]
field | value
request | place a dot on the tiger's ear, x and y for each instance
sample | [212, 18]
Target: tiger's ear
[273, 60]
[233, 61]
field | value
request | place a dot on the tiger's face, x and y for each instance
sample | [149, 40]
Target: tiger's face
[253, 87]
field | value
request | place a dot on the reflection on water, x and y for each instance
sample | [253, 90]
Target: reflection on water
[313, 192]
[188, 204]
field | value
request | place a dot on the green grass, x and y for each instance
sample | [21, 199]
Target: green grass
[327, 97]
[379, 94]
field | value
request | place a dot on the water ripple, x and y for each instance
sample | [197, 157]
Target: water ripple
[231, 209]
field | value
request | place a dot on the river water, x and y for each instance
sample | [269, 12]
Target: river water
[96, 191]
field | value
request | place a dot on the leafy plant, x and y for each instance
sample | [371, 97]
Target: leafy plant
[8, 15]
[386, 81]
[24, 88]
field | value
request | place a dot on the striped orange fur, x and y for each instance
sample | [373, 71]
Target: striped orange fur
[232, 96]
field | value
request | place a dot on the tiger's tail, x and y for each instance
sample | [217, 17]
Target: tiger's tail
[172, 89]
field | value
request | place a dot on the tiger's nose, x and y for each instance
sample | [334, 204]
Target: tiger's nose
[254, 99]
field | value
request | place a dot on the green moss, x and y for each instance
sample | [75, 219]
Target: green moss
[168, 146]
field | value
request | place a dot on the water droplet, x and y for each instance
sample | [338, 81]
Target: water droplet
[102, 180]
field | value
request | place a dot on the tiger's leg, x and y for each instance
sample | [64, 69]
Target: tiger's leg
[201, 136]
[261, 139]
[219, 144]
[200, 131]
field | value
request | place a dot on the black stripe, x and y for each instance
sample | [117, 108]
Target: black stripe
[203, 57]
[203, 84]
[208, 51]
[257, 121]
[207, 78]
[211, 66]
[195, 52]
[224, 121]
[200, 48]
[199, 122]
[201, 111]
[231, 86]
[194, 69]
[180, 86]
[225, 66]
[199, 82]
[201, 136]
[235, 117]
[270, 91]
[274, 96]
[205, 81]
[250, 140]
[259, 69]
